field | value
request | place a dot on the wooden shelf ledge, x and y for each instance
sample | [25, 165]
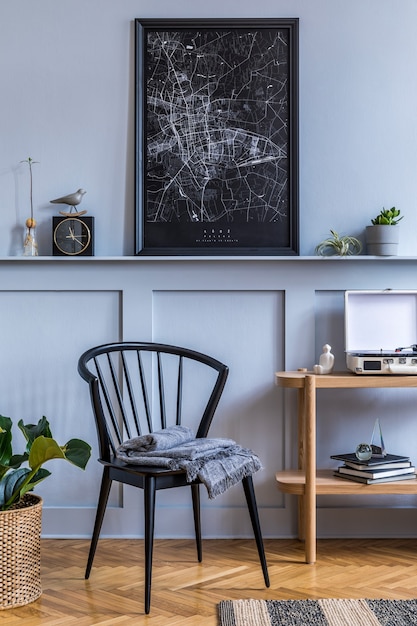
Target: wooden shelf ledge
[293, 482]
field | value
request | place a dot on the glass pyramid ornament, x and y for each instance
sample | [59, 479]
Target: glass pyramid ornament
[378, 451]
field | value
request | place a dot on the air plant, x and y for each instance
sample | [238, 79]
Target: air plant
[341, 245]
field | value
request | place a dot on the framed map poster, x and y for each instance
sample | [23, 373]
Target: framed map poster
[217, 137]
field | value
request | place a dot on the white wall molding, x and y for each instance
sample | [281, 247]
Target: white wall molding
[258, 315]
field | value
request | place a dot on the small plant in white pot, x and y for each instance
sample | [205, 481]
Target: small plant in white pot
[21, 511]
[383, 236]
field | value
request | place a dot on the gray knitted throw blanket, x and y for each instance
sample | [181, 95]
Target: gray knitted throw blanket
[217, 463]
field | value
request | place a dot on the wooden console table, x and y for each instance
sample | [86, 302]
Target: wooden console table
[308, 482]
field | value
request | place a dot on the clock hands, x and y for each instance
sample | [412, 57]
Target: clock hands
[73, 237]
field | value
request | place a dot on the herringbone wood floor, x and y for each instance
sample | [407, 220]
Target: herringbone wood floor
[185, 593]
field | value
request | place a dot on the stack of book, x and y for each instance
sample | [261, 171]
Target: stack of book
[391, 467]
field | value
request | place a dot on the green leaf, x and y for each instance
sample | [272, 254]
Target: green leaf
[17, 483]
[13, 482]
[44, 449]
[6, 453]
[5, 439]
[387, 217]
[38, 478]
[5, 447]
[17, 459]
[5, 423]
[32, 431]
[77, 452]
[2, 500]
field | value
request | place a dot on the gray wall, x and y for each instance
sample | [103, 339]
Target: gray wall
[67, 85]
[67, 101]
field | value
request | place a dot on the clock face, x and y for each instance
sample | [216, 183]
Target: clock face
[72, 236]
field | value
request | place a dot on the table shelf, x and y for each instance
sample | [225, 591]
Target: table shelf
[307, 482]
[294, 481]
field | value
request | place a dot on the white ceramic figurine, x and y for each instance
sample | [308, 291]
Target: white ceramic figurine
[326, 361]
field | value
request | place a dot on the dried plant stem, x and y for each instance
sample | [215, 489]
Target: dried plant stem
[30, 162]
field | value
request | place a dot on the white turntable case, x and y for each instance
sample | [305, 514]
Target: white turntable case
[377, 325]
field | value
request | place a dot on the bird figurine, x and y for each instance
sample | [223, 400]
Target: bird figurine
[72, 199]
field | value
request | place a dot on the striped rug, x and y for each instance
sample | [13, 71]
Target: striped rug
[318, 612]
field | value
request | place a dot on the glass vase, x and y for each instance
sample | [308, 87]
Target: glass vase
[30, 246]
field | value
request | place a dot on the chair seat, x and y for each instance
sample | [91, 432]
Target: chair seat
[145, 470]
[135, 475]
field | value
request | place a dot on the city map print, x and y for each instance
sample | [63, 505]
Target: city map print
[217, 129]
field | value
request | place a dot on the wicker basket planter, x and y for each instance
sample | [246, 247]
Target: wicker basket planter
[20, 552]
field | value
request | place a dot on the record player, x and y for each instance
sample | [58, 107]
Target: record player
[381, 332]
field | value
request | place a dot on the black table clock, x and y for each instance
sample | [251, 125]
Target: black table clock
[73, 235]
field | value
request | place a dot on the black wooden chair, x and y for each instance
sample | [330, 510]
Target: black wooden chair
[126, 381]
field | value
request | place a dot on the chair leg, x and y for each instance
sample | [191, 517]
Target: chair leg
[101, 509]
[195, 492]
[247, 483]
[149, 504]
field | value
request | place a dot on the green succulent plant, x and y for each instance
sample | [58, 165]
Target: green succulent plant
[341, 245]
[387, 217]
[15, 480]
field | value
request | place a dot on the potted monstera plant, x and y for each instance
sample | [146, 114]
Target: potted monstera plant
[382, 237]
[21, 510]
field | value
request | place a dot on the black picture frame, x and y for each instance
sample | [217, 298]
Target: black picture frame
[217, 137]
